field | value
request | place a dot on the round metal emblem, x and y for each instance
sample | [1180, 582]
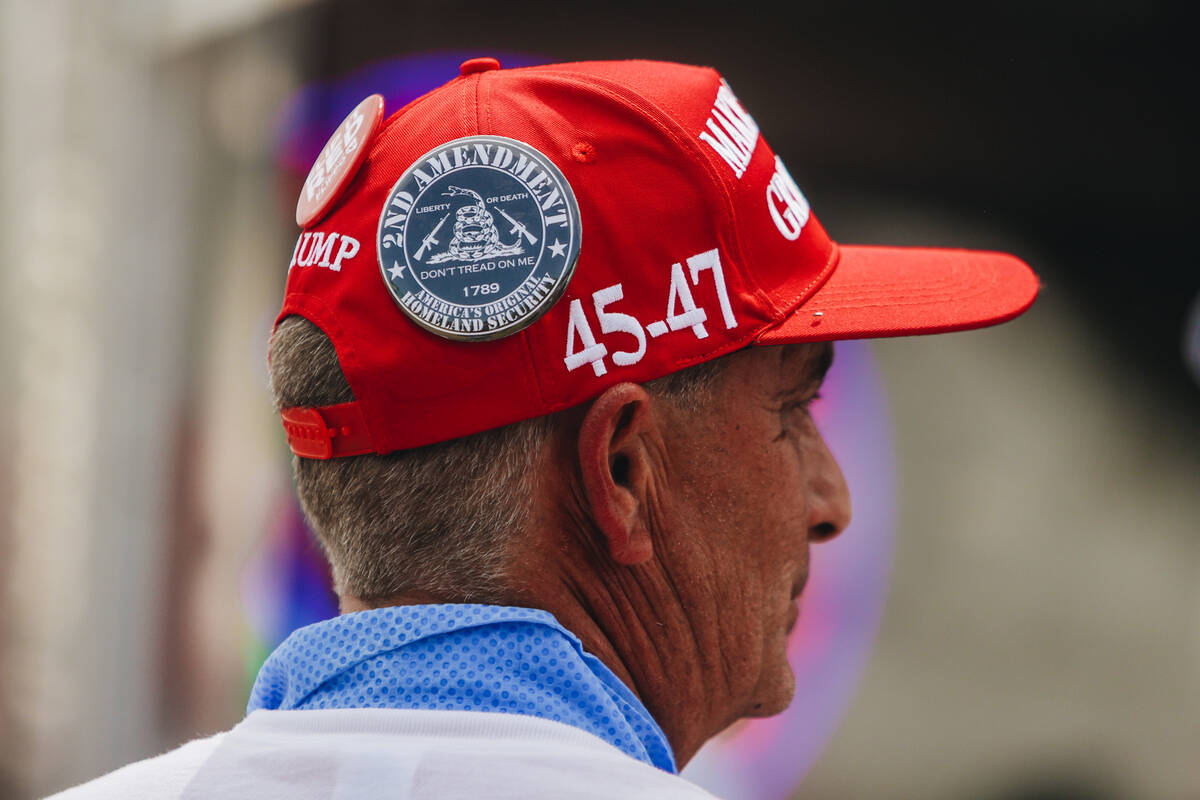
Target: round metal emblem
[479, 238]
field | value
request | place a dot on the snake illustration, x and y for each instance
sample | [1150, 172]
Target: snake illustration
[475, 233]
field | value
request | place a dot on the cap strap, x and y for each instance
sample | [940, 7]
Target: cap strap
[327, 432]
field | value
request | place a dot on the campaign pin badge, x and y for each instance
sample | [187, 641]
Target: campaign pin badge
[479, 238]
[341, 157]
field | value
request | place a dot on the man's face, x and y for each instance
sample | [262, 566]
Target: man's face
[753, 484]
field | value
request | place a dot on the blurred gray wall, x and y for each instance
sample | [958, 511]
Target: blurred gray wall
[136, 196]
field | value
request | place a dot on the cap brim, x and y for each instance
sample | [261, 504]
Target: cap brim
[877, 292]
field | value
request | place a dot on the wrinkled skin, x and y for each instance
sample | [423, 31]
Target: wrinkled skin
[675, 542]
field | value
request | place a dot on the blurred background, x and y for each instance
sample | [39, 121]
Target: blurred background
[1015, 612]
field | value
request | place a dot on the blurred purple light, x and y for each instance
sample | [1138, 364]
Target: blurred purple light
[308, 119]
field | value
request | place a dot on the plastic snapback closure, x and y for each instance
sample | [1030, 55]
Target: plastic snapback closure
[326, 432]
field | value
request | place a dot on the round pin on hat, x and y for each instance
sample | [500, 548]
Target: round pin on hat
[478, 238]
[341, 157]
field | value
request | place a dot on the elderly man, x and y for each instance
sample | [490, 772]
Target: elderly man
[545, 358]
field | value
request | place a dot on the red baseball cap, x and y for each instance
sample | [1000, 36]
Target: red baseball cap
[516, 241]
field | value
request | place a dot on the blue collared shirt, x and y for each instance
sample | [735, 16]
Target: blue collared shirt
[464, 657]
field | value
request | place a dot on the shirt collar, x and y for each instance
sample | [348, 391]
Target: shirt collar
[467, 657]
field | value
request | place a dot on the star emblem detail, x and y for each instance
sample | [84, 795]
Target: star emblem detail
[396, 271]
[558, 248]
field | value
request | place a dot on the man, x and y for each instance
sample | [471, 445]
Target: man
[545, 358]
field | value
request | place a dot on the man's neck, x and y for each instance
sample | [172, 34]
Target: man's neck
[628, 620]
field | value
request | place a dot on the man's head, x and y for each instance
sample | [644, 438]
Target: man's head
[689, 502]
[548, 339]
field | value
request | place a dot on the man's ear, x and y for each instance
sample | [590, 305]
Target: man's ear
[617, 470]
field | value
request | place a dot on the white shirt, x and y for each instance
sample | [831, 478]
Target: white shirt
[344, 754]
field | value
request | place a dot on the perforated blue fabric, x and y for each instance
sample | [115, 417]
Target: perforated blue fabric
[464, 657]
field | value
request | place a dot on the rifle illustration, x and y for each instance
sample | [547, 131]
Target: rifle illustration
[429, 240]
[518, 227]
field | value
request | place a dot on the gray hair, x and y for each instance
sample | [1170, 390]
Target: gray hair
[434, 519]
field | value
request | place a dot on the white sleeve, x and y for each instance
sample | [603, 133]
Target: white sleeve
[158, 778]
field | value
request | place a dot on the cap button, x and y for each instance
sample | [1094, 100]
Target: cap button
[473, 65]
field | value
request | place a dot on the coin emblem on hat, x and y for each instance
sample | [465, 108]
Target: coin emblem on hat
[479, 238]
